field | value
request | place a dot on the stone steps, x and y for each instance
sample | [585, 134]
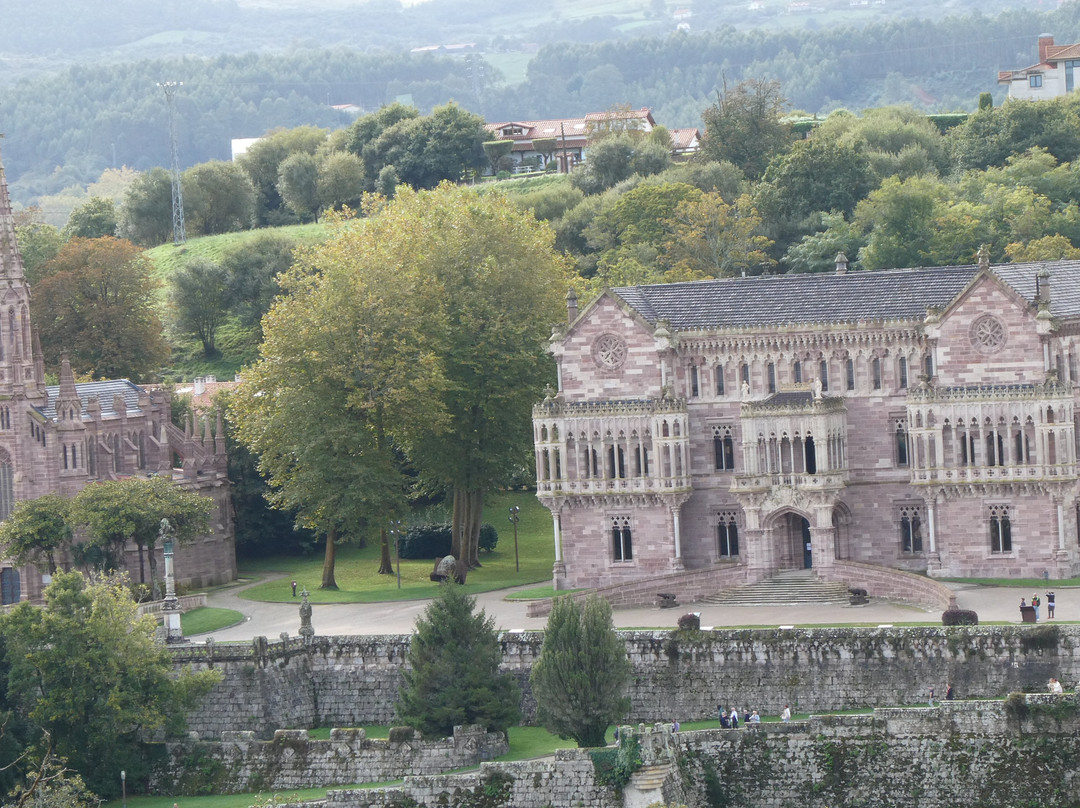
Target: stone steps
[650, 778]
[788, 588]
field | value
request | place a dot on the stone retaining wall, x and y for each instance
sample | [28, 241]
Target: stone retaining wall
[975, 754]
[292, 760]
[350, 681]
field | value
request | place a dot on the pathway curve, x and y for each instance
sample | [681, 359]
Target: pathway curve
[398, 617]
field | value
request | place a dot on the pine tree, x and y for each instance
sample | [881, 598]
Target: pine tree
[453, 675]
[581, 675]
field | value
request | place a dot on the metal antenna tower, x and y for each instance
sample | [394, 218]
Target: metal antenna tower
[179, 236]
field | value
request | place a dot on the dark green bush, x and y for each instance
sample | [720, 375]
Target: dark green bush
[690, 622]
[433, 541]
[959, 617]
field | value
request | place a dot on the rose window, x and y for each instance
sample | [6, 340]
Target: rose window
[988, 334]
[609, 351]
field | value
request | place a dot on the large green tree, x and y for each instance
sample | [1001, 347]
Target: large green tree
[746, 126]
[85, 669]
[115, 512]
[580, 678]
[263, 160]
[36, 530]
[346, 374]
[96, 300]
[199, 293]
[219, 197]
[453, 675]
[146, 215]
[496, 288]
[93, 219]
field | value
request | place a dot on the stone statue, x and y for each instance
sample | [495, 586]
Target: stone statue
[815, 389]
[745, 390]
[306, 631]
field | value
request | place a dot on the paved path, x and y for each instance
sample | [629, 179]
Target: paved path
[271, 619]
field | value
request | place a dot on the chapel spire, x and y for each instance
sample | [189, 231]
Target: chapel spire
[11, 267]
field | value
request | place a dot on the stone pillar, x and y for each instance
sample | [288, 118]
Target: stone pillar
[677, 562]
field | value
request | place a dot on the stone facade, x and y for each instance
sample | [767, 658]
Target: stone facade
[291, 759]
[920, 420]
[58, 439]
[352, 681]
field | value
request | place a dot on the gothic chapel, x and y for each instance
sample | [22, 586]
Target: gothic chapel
[914, 419]
[58, 439]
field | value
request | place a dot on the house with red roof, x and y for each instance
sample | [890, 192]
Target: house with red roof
[1052, 76]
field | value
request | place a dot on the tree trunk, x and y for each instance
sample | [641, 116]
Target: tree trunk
[458, 541]
[476, 519]
[328, 581]
[386, 564]
[155, 585]
[468, 514]
[142, 568]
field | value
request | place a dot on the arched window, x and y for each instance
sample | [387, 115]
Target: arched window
[875, 368]
[7, 486]
[903, 372]
[723, 447]
[901, 443]
[770, 377]
[719, 380]
[911, 529]
[796, 371]
[1000, 529]
[694, 389]
[621, 539]
[727, 535]
[849, 368]
[823, 375]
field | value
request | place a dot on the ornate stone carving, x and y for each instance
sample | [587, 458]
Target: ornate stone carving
[609, 351]
[988, 334]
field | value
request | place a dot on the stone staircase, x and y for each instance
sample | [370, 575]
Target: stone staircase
[787, 588]
[645, 785]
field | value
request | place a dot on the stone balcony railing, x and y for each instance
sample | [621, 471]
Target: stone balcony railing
[599, 486]
[1049, 390]
[966, 475]
[819, 481]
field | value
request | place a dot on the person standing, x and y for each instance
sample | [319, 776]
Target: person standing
[734, 718]
[930, 701]
[1036, 603]
[786, 715]
[1050, 605]
[948, 692]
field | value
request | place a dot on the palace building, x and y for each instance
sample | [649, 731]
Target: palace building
[58, 439]
[915, 419]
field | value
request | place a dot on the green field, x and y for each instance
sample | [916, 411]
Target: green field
[356, 568]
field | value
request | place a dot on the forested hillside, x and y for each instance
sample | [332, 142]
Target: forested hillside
[65, 129]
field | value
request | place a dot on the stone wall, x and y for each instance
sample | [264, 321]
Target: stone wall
[292, 760]
[350, 681]
[976, 754]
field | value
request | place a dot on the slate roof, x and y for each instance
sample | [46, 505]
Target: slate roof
[105, 391]
[881, 295]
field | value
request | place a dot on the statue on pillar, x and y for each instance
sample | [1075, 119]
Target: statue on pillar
[306, 631]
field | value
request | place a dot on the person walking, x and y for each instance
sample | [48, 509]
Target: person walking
[786, 715]
[1050, 605]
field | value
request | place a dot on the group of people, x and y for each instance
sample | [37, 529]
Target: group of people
[732, 719]
[1036, 602]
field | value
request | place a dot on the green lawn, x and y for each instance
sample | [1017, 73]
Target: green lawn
[207, 619]
[356, 568]
[1021, 583]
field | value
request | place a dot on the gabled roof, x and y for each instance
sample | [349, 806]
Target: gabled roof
[1059, 53]
[682, 139]
[573, 128]
[105, 391]
[882, 295]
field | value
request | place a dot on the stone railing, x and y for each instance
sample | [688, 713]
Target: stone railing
[992, 474]
[998, 392]
[688, 587]
[641, 407]
[187, 603]
[613, 485]
[884, 582]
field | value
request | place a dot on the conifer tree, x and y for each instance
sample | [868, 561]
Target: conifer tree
[453, 675]
[581, 675]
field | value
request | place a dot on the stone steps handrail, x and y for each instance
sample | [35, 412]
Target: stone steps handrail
[885, 582]
[187, 603]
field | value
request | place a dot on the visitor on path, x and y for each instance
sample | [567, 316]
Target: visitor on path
[734, 718]
[1036, 603]
[754, 718]
[725, 720]
[1050, 605]
[930, 701]
[1055, 687]
[948, 692]
[786, 715]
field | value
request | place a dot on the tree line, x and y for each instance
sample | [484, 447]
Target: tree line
[65, 129]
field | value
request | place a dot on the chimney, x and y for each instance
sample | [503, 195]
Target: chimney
[1042, 287]
[571, 306]
[841, 264]
[1045, 41]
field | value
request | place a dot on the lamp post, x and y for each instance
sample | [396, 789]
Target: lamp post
[395, 531]
[514, 519]
[170, 607]
[123, 788]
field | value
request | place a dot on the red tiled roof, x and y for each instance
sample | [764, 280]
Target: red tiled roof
[1057, 53]
[684, 138]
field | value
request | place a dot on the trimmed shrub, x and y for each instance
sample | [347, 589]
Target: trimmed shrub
[959, 617]
[690, 622]
[489, 537]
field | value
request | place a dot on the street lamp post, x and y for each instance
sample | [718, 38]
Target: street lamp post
[123, 788]
[395, 531]
[514, 519]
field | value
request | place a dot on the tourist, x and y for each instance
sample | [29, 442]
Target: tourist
[948, 692]
[675, 726]
[725, 721]
[754, 718]
[930, 701]
[786, 715]
[1049, 605]
[1055, 687]
[734, 718]
[1035, 602]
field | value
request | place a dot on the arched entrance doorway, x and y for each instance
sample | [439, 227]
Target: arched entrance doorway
[791, 540]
